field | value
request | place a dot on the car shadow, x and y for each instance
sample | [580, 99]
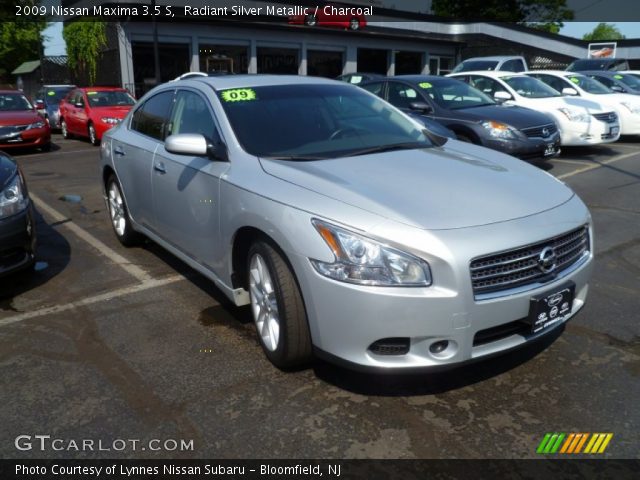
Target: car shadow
[53, 254]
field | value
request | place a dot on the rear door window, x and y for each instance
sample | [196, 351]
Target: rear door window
[152, 118]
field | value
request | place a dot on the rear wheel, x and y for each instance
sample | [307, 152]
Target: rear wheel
[120, 215]
[93, 137]
[277, 306]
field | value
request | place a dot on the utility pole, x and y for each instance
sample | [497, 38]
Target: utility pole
[156, 51]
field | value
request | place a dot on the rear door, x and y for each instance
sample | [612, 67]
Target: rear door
[186, 188]
[133, 149]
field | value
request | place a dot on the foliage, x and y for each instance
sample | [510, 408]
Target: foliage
[604, 31]
[547, 12]
[20, 41]
[84, 42]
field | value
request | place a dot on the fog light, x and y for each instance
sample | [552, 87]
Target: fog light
[438, 347]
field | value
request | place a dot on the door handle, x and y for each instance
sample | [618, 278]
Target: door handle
[118, 151]
[159, 167]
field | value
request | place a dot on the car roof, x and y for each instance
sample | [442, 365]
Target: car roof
[261, 80]
[488, 73]
[495, 57]
[604, 73]
[101, 89]
[58, 86]
[418, 78]
[562, 73]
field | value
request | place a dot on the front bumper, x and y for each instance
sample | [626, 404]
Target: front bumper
[629, 122]
[526, 148]
[346, 320]
[34, 138]
[17, 241]
[589, 133]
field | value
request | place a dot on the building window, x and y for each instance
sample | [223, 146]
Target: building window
[440, 65]
[408, 63]
[175, 59]
[224, 58]
[278, 60]
[324, 64]
[373, 60]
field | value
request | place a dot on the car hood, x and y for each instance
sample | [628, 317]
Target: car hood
[8, 169]
[112, 111]
[457, 186]
[518, 117]
[551, 104]
[18, 118]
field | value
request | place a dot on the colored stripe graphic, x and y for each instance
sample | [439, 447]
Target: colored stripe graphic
[573, 443]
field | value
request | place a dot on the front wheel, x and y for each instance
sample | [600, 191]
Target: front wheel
[120, 215]
[64, 129]
[278, 309]
[93, 137]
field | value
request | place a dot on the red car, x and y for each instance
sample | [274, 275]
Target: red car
[331, 15]
[91, 111]
[21, 126]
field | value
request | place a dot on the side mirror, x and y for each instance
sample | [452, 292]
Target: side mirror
[617, 88]
[569, 91]
[194, 144]
[39, 105]
[502, 96]
[421, 107]
[79, 105]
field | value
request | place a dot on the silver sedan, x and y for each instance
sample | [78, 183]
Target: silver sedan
[354, 234]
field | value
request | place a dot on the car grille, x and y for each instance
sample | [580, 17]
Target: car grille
[4, 131]
[609, 117]
[521, 266]
[538, 132]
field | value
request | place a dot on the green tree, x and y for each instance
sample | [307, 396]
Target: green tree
[546, 12]
[20, 41]
[84, 41]
[604, 31]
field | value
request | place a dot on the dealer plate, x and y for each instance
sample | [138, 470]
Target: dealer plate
[551, 308]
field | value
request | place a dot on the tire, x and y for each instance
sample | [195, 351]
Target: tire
[46, 147]
[310, 20]
[354, 24]
[277, 307]
[93, 137]
[64, 129]
[119, 215]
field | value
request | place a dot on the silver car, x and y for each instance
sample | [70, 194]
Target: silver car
[354, 234]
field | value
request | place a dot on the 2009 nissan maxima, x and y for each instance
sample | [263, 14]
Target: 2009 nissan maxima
[353, 233]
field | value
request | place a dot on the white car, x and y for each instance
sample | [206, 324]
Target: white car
[578, 85]
[580, 121]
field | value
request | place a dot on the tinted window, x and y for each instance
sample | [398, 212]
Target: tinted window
[513, 66]
[454, 94]
[109, 98]
[304, 122]
[191, 115]
[375, 88]
[530, 87]
[554, 82]
[401, 95]
[607, 82]
[53, 96]
[13, 102]
[152, 117]
[469, 65]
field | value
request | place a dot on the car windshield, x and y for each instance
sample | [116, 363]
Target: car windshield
[530, 87]
[14, 102]
[589, 85]
[54, 96]
[454, 94]
[470, 65]
[102, 98]
[313, 122]
[629, 80]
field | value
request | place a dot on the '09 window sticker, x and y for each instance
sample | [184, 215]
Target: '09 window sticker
[238, 95]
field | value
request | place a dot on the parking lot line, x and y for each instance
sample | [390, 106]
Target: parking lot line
[151, 283]
[102, 249]
[597, 164]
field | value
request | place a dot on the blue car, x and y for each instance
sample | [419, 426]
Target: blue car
[48, 101]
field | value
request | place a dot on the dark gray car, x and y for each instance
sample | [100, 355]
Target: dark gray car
[473, 116]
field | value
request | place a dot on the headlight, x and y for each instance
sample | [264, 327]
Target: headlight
[38, 124]
[111, 120]
[499, 130]
[575, 115]
[366, 262]
[12, 198]
[632, 107]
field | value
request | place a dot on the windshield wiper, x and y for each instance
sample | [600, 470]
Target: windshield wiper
[389, 148]
[296, 158]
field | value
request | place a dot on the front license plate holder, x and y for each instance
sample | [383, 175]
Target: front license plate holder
[550, 149]
[550, 308]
